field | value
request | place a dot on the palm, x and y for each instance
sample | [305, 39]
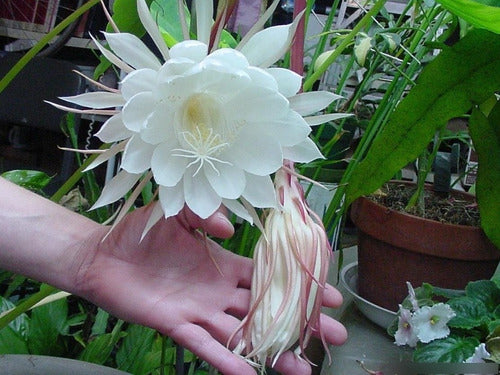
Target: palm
[186, 287]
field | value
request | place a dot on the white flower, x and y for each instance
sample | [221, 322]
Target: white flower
[406, 334]
[209, 127]
[430, 322]
[290, 269]
[480, 354]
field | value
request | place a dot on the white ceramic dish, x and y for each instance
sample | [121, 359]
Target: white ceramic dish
[377, 314]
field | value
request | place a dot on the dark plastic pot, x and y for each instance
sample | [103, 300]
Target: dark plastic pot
[17, 364]
[396, 247]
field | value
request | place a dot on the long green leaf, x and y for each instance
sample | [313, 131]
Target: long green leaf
[476, 13]
[460, 76]
[485, 133]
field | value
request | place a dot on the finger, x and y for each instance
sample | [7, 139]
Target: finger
[291, 364]
[202, 344]
[224, 328]
[333, 331]
[332, 297]
[217, 225]
[239, 304]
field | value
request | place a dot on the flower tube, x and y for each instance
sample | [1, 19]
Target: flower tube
[290, 269]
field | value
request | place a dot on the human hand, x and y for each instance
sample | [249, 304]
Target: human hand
[169, 281]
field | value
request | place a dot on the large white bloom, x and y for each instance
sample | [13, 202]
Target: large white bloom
[209, 127]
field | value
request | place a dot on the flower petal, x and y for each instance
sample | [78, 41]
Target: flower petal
[190, 49]
[158, 127]
[152, 28]
[171, 199]
[203, 11]
[167, 169]
[321, 119]
[238, 209]
[113, 130]
[228, 181]
[289, 130]
[137, 109]
[138, 81]
[311, 102]
[115, 60]
[137, 155]
[155, 216]
[303, 152]
[200, 197]
[132, 50]
[257, 102]
[96, 99]
[289, 82]
[260, 191]
[106, 155]
[116, 188]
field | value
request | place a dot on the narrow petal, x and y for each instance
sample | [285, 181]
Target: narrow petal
[238, 209]
[132, 50]
[289, 82]
[113, 130]
[321, 119]
[255, 154]
[154, 217]
[259, 25]
[138, 81]
[106, 155]
[303, 152]
[200, 197]
[167, 169]
[115, 60]
[116, 188]
[228, 181]
[97, 99]
[171, 199]
[137, 109]
[203, 10]
[191, 49]
[311, 102]
[152, 28]
[260, 191]
[137, 155]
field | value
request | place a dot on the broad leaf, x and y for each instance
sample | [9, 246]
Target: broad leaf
[32, 180]
[134, 347]
[485, 291]
[460, 76]
[451, 349]
[485, 134]
[100, 348]
[20, 325]
[11, 342]
[470, 313]
[477, 13]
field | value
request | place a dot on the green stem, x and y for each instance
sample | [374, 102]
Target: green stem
[4, 82]
[363, 22]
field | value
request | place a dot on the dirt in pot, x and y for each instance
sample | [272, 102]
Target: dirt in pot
[452, 209]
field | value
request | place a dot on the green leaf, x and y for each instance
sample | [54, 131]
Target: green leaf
[460, 76]
[134, 347]
[126, 18]
[477, 13]
[470, 313]
[100, 348]
[101, 322]
[485, 291]
[11, 342]
[48, 322]
[166, 14]
[485, 134]
[451, 349]
[20, 325]
[32, 180]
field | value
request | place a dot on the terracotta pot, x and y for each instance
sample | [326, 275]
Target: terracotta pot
[396, 247]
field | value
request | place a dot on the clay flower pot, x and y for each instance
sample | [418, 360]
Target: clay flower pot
[396, 247]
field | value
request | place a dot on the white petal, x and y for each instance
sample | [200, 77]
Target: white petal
[321, 119]
[137, 155]
[113, 130]
[199, 195]
[154, 217]
[261, 77]
[138, 81]
[269, 45]
[227, 57]
[132, 50]
[255, 154]
[137, 110]
[288, 130]
[260, 191]
[152, 28]
[167, 169]
[191, 49]
[303, 152]
[116, 188]
[106, 155]
[257, 104]
[203, 10]
[311, 102]
[237, 208]
[159, 126]
[97, 99]
[228, 181]
[289, 82]
[174, 67]
[171, 199]
[115, 60]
